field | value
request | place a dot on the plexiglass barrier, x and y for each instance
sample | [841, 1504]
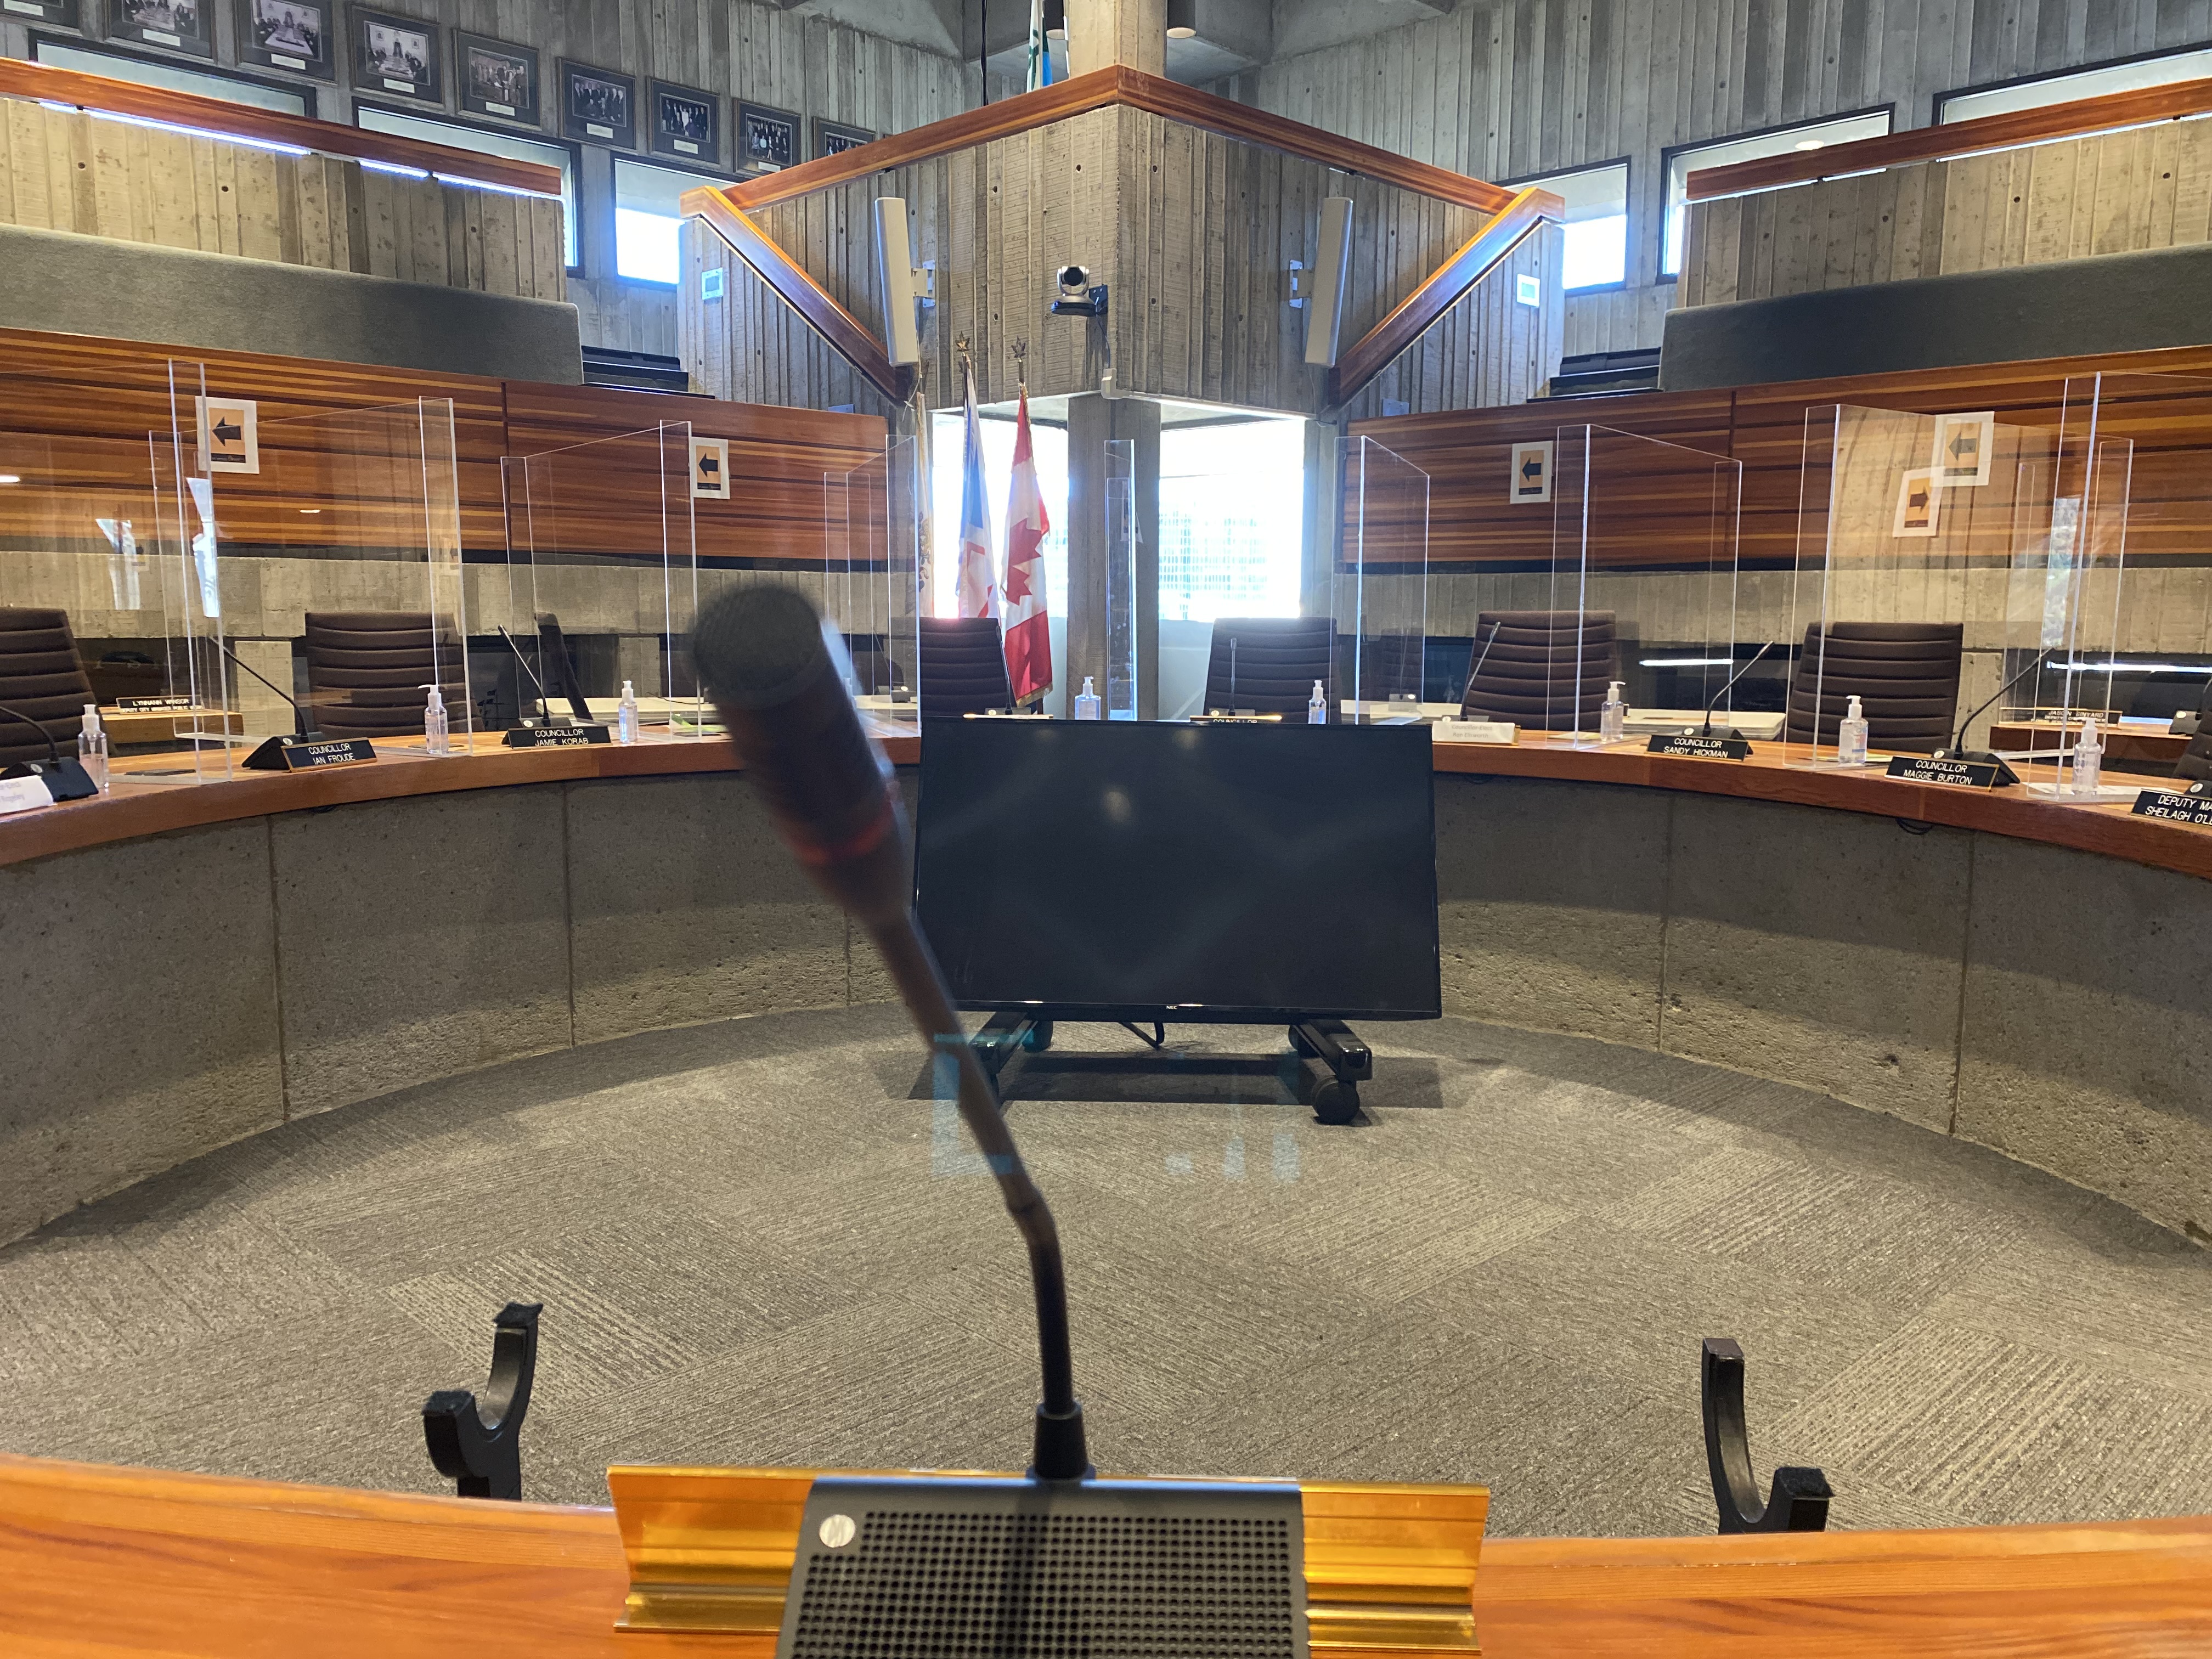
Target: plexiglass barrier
[603, 586]
[1120, 691]
[109, 592]
[1380, 589]
[342, 572]
[874, 530]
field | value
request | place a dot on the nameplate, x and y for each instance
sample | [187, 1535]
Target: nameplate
[2192, 806]
[1926, 769]
[282, 62]
[22, 795]
[390, 85]
[28, 8]
[599, 131]
[136, 703]
[687, 146]
[555, 737]
[1473, 732]
[162, 37]
[1683, 745]
[291, 755]
[500, 109]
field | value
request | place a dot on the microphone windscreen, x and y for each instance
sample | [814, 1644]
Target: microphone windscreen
[757, 647]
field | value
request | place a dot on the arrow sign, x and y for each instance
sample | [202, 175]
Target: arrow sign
[1964, 445]
[228, 431]
[1917, 500]
[1532, 468]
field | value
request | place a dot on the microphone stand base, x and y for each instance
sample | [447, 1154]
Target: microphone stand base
[1060, 1453]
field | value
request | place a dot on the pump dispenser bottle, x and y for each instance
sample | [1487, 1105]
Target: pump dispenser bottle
[1317, 707]
[2088, 759]
[1087, 706]
[626, 715]
[1851, 736]
[92, 747]
[436, 738]
[1613, 717]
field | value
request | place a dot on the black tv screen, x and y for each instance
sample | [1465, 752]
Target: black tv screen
[1159, 870]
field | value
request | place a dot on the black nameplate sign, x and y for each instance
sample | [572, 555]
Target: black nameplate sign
[555, 737]
[2191, 806]
[1965, 774]
[134, 705]
[1697, 748]
[309, 754]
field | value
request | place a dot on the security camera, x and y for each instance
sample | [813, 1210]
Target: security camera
[1077, 296]
[1074, 282]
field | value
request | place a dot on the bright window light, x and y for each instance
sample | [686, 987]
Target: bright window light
[1049, 445]
[647, 218]
[1232, 520]
[1684, 162]
[2082, 83]
[513, 147]
[1597, 223]
[174, 78]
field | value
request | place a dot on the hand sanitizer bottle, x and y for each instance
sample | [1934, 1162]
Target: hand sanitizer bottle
[92, 747]
[436, 738]
[1851, 736]
[1317, 707]
[2088, 758]
[1087, 706]
[1613, 716]
[626, 715]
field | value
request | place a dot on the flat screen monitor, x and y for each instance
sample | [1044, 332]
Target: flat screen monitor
[1138, 870]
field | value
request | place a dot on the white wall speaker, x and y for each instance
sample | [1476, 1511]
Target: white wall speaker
[1331, 278]
[894, 281]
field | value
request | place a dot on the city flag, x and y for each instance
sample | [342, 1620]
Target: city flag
[974, 593]
[1039, 66]
[1029, 635]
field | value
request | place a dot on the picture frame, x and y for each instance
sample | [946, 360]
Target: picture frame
[298, 36]
[835, 138]
[497, 78]
[396, 57]
[178, 25]
[64, 14]
[598, 107]
[686, 123]
[767, 139]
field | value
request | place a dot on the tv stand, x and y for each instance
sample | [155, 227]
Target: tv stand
[1331, 1041]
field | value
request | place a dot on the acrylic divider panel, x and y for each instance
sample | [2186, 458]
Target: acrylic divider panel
[874, 530]
[1380, 593]
[1120, 690]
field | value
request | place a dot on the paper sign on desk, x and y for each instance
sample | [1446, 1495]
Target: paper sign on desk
[2191, 805]
[22, 795]
[1473, 732]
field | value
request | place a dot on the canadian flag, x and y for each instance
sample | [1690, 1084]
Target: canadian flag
[1029, 633]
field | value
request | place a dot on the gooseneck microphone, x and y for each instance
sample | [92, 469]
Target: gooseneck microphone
[774, 673]
[64, 776]
[545, 700]
[1714, 701]
[302, 727]
[1958, 750]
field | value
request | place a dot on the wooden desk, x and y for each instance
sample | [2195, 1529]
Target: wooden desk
[136, 726]
[2122, 743]
[103, 1562]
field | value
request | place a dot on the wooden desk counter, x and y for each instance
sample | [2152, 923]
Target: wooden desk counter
[101, 1562]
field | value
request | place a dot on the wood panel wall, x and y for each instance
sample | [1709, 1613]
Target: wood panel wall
[2120, 192]
[1508, 89]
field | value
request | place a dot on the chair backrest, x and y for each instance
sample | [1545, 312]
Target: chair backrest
[1527, 668]
[964, 667]
[41, 678]
[2195, 761]
[1905, 676]
[366, 669]
[1269, 663]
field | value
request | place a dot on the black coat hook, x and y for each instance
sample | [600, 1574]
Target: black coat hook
[478, 1445]
[1799, 1501]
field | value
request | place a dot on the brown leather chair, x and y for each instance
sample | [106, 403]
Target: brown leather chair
[40, 678]
[1268, 664]
[1905, 676]
[1531, 672]
[366, 669]
[964, 667]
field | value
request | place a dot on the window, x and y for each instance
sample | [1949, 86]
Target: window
[1597, 222]
[647, 217]
[2039, 90]
[1681, 163]
[948, 462]
[1232, 519]
[485, 141]
[172, 77]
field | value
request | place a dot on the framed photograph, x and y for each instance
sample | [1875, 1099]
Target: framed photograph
[687, 123]
[63, 12]
[396, 55]
[1962, 444]
[598, 105]
[496, 79]
[1919, 501]
[835, 138]
[179, 25]
[767, 139]
[287, 34]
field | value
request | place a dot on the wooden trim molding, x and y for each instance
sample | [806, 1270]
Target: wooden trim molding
[1134, 90]
[2013, 130]
[219, 118]
[847, 334]
[1418, 312]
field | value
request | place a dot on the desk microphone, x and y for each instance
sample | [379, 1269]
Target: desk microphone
[64, 776]
[545, 713]
[1494, 624]
[1706, 731]
[302, 728]
[1959, 751]
[772, 669]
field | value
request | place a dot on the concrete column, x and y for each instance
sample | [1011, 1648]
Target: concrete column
[1093, 422]
[265, 714]
[1317, 573]
[1101, 33]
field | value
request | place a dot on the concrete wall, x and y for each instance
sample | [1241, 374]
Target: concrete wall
[191, 989]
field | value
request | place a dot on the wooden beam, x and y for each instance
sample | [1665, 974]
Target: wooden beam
[2011, 130]
[1446, 286]
[847, 335]
[219, 118]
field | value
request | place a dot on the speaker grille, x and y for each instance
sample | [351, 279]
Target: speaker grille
[927, 1581]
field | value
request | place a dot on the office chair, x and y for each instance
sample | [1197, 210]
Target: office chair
[40, 678]
[366, 668]
[964, 667]
[1530, 671]
[1904, 674]
[2195, 762]
[1269, 663]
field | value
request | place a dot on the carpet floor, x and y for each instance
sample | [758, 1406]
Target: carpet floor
[760, 1241]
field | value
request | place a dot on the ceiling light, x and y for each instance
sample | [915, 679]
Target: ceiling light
[1183, 18]
[311, 509]
[10, 477]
